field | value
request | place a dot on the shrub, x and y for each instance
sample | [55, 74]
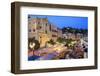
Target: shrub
[61, 40]
[51, 42]
[37, 44]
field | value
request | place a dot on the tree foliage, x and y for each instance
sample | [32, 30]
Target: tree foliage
[33, 40]
[74, 30]
[51, 42]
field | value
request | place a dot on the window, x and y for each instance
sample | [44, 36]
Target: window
[33, 30]
[29, 30]
[54, 35]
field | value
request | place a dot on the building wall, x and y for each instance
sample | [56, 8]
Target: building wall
[43, 30]
[32, 28]
[53, 32]
[60, 33]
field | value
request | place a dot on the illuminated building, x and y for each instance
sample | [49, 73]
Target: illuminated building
[42, 30]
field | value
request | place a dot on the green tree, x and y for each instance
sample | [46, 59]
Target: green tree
[33, 40]
[61, 40]
[51, 42]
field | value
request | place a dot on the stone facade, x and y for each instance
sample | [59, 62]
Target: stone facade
[42, 30]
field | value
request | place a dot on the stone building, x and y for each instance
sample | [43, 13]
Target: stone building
[42, 30]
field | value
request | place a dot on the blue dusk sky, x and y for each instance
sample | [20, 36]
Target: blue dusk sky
[65, 21]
